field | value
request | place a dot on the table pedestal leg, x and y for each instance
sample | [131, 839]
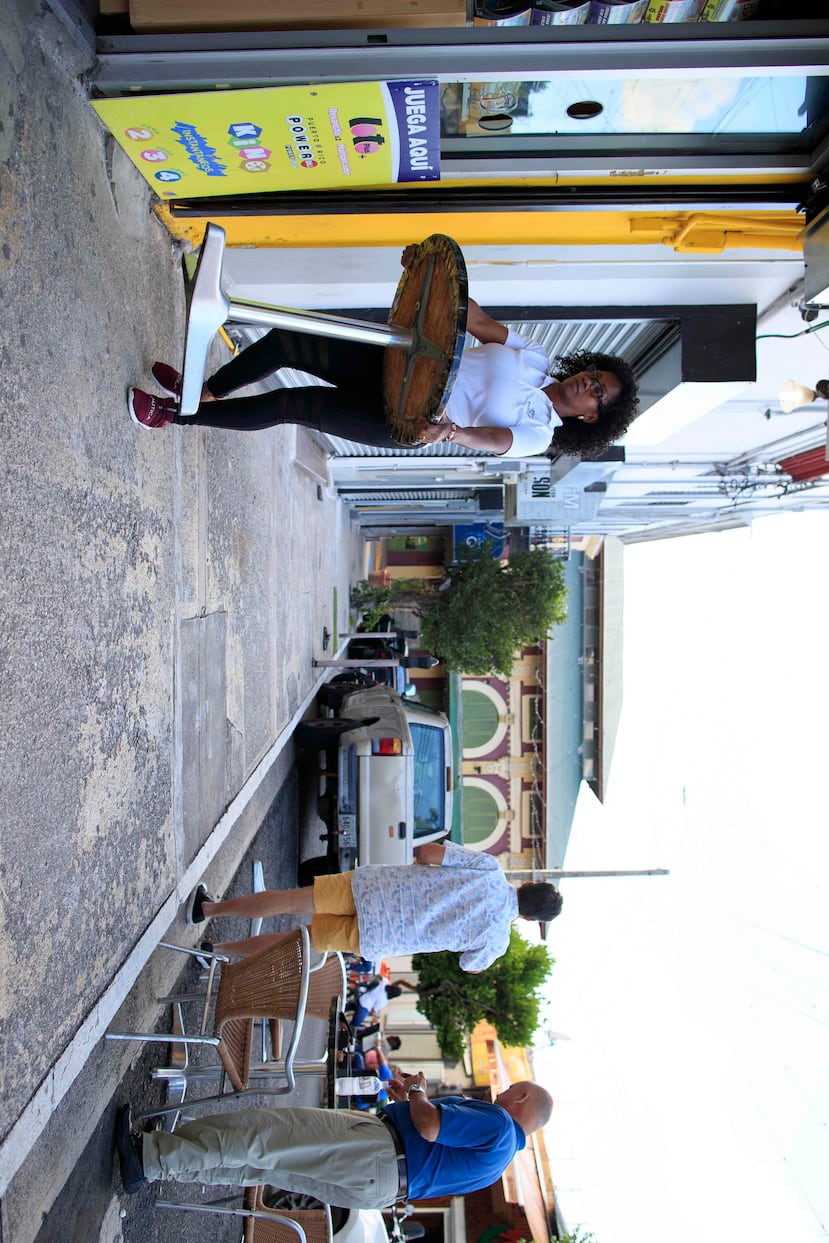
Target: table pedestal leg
[210, 307]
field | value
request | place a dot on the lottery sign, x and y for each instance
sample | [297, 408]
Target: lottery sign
[280, 138]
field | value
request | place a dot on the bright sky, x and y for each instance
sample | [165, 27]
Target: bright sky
[692, 1097]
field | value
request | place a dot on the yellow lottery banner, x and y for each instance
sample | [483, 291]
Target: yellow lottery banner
[280, 138]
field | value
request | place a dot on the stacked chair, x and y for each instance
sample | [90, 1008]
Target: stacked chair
[278, 985]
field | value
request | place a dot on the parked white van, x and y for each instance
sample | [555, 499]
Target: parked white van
[387, 777]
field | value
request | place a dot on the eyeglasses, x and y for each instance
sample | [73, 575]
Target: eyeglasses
[595, 386]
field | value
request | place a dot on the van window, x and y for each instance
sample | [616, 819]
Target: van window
[429, 779]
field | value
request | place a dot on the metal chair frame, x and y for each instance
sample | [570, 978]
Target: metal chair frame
[283, 1068]
[321, 985]
[327, 983]
[254, 1210]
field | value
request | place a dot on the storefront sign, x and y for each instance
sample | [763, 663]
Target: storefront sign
[280, 138]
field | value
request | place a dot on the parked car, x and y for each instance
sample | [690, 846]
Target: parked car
[368, 1225]
[388, 775]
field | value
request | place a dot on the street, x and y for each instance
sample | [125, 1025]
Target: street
[164, 596]
[90, 1203]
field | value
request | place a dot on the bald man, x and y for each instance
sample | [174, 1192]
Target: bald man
[416, 1149]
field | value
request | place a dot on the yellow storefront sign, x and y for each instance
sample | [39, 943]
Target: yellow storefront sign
[493, 1064]
[280, 138]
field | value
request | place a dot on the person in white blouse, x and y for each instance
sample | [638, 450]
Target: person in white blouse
[506, 399]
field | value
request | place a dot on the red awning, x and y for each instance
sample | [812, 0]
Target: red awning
[810, 464]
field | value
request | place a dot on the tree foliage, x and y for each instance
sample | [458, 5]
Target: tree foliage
[505, 994]
[492, 609]
[485, 610]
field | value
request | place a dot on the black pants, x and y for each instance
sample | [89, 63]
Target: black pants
[352, 410]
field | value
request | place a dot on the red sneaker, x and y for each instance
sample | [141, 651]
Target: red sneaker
[149, 411]
[168, 378]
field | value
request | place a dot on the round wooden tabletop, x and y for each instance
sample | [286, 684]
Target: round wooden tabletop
[431, 302]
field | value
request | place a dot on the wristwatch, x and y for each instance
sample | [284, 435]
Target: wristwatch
[453, 431]
[416, 1087]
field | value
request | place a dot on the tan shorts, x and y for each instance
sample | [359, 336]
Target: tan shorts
[334, 924]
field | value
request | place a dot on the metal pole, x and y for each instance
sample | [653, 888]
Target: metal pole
[558, 874]
[390, 663]
[316, 323]
[367, 634]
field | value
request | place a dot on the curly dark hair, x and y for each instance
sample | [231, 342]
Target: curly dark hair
[591, 440]
[538, 900]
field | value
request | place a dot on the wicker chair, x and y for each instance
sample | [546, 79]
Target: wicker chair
[267, 1225]
[326, 988]
[271, 985]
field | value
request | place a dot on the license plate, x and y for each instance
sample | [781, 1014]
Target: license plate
[347, 824]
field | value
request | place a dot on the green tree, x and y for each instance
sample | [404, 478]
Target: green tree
[485, 610]
[506, 994]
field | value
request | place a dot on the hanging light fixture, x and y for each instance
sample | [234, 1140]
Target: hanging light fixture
[792, 396]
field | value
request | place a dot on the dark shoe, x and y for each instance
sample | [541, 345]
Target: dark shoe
[195, 911]
[168, 378]
[206, 947]
[149, 411]
[129, 1148]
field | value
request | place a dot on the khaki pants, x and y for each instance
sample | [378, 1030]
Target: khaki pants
[340, 1156]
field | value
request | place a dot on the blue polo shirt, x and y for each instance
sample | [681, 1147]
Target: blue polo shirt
[476, 1142]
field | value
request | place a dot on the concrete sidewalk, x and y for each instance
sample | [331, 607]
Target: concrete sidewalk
[164, 594]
